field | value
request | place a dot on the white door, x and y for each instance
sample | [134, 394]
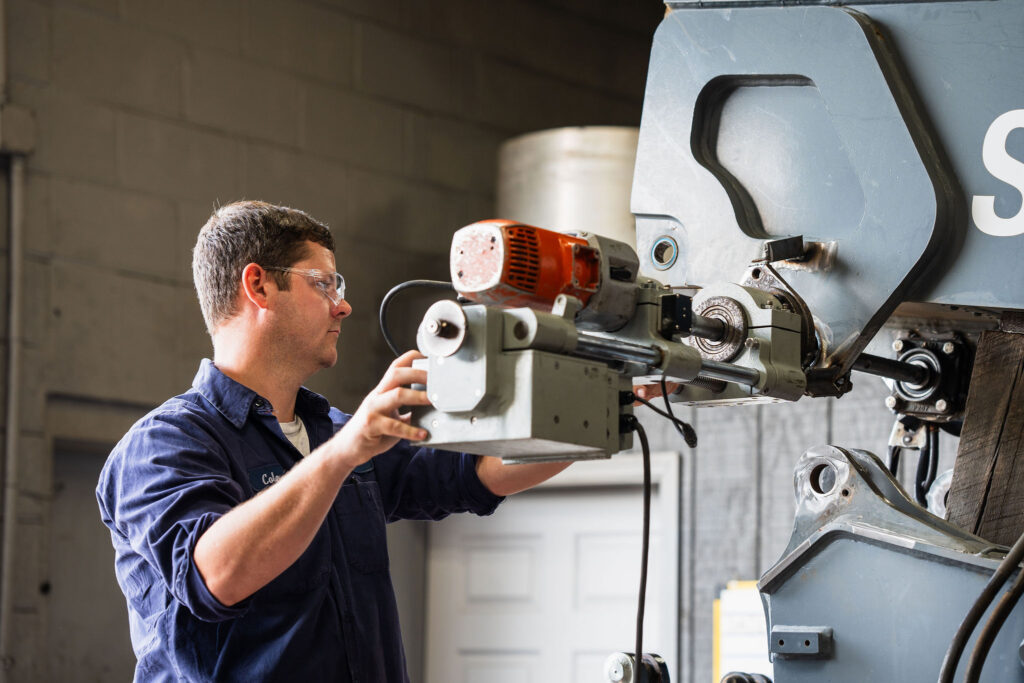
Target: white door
[546, 588]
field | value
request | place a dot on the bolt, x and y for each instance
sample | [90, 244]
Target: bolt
[897, 345]
[441, 328]
[941, 405]
[752, 343]
[907, 439]
[890, 402]
[948, 348]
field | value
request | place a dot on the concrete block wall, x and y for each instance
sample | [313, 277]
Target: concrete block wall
[381, 118]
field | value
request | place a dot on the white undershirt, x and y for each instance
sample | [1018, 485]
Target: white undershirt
[296, 433]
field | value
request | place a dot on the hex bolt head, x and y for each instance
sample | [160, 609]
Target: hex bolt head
[752, 343]
[897, 345]
[941, 405]
[890, 402]
[948, 348]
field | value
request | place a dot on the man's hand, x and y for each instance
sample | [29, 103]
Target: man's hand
[378, 424]
[651, 391]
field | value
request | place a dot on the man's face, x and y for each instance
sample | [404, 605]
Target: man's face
[308, 323]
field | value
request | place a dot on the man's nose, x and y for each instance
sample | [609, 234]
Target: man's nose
[342, 309]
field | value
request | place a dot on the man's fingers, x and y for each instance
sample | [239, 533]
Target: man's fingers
[401, 396]
[401, 372]
[389, 426]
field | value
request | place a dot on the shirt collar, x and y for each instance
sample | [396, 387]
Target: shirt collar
[235, 401]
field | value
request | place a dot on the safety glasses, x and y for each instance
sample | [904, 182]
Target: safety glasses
[331, 285]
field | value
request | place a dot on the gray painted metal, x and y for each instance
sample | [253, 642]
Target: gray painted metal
[900, 198]
[890, 580]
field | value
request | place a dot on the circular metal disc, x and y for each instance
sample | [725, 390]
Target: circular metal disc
[442, 330]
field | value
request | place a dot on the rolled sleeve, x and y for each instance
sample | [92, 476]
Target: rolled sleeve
[170, 482]
[423, 483]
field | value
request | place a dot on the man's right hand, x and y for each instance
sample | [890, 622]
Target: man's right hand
[378, 424]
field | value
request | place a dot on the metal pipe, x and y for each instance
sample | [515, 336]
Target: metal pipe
[13, 430]
[900, 371]
[707, 328]
[729, 373]
[603, 348]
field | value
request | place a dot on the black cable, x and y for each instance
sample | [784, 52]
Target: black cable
[922, 473]
[684, 429]
[894, 460]
[675, 420]
[430, 284]
[991, 629]
[641, 672]
[988, 593]
[933, 457]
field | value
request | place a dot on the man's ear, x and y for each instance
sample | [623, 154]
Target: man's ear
[255, 281]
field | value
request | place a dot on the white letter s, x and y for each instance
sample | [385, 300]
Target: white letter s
[1004, 167]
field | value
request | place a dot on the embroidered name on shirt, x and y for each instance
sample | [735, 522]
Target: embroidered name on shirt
[262, 477]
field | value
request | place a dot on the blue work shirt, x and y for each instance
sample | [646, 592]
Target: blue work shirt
[331, 616]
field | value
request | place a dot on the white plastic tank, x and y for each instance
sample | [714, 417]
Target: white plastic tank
[570, 179]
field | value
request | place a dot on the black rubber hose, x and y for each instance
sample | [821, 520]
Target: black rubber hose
[988, 593]
[894, 460]
[922, 473]
[685, 430]
[644, 549]
[991, 629]
[386, 301]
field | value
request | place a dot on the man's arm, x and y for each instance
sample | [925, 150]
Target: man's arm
[253, 543]
[504, 480]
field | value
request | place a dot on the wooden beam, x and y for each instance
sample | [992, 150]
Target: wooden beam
[986, 497]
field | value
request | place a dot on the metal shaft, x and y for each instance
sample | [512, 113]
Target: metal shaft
[707, 328]
[893, 369]
[602, 348]
[729, 373]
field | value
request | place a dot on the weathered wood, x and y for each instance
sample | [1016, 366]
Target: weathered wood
[985, 494]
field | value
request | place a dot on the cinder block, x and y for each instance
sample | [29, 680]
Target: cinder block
[73, 138]
[28, 36]
[177, 161]
[107, 6]
[239, 97]
[456, 22]
[192, 341]
[316, 186]
[547, 39]
[38, 229]
[300, 37]
[114, 228]
[121, 335]
[353, 128]
[215, 24]
[639, 18]
[459, 155]
[191, 215]
[392, 13]
[36, 303]
[103, 59]
[406, 69]
[518, 99]
[388, 211]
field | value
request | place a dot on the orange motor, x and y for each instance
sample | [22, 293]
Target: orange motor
[505, 263]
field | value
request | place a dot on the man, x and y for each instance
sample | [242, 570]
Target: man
[247, 515]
